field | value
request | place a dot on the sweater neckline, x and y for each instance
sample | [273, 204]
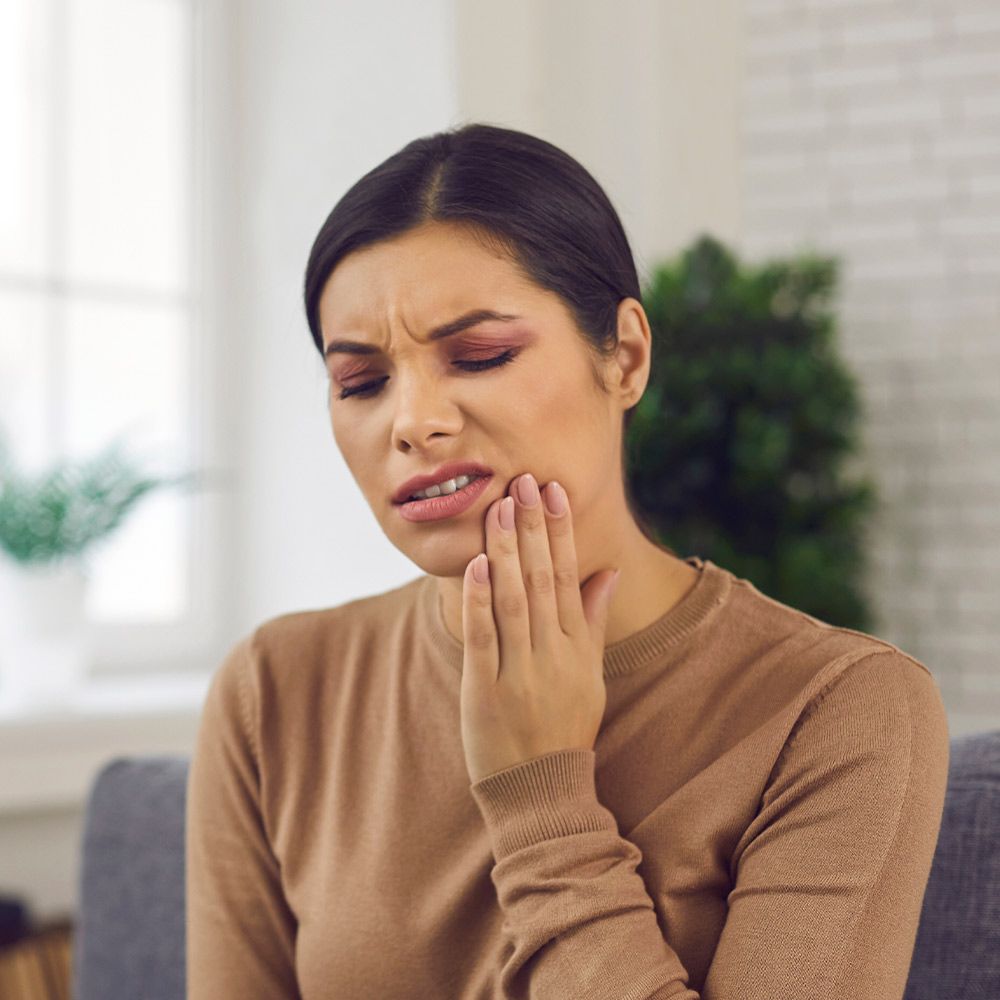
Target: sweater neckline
[694, 609]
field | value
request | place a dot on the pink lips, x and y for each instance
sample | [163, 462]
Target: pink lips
[447, 505]
[450, 470]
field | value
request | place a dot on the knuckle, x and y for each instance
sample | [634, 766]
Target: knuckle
[508, 544]
[539, 580]
[480, 638]
[532, 518]
[565, 576]
[512, 605]
[482, 600]
[560, 527]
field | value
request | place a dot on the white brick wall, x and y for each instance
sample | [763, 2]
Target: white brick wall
[871, 130]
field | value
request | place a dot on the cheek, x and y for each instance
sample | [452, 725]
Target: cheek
[337, 435]
[349, 443]
[539, 397]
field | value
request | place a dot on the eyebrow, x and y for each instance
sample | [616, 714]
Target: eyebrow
[454, 326]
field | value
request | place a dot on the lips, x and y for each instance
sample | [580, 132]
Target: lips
[448, 471]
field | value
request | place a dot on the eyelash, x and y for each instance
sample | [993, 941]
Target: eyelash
[369, 388]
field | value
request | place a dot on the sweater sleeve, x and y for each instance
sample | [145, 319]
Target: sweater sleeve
[240, 932]
[829, 877]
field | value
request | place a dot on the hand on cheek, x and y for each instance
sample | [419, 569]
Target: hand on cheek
[532, 675]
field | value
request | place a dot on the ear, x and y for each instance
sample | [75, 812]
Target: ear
[630, 370]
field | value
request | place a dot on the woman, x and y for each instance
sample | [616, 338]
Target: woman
[521, 783]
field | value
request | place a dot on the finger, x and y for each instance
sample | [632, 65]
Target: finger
[536, 560]
[510, 602]
[479, 633]
[565, 568]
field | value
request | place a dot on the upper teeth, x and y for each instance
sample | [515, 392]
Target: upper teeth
[448, 486]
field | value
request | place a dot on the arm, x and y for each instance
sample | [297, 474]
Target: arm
[829, 877]
[240, 932]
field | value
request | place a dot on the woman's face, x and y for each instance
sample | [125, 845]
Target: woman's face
[540, 413]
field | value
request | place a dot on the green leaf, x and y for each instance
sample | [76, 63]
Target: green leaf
[736, 450]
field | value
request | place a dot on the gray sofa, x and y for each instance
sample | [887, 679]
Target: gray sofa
[129, 938]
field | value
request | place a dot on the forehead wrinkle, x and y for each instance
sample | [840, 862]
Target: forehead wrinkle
[391, 329]
[470, 318]
[398, 313]
[356, 331]
[402, 275]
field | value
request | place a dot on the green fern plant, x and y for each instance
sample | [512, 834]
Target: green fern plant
[57, 516]
[740, 448]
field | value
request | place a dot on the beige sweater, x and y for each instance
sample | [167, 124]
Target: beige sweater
[756, 821]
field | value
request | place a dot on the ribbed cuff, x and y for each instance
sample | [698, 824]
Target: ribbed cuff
[545, 797]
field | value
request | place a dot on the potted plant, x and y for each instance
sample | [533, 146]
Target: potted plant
[743, 447]
[48, 525]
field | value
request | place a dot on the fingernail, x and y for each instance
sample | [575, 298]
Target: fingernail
[555, 498]
[481, 568]
[507, 513]
[527, 490]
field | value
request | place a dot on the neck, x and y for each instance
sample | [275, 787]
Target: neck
[652, 582]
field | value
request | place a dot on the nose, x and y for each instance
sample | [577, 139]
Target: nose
[422, 408]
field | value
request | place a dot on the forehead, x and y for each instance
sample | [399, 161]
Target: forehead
[417, 280]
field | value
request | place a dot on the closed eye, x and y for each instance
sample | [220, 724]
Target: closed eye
[370, 389]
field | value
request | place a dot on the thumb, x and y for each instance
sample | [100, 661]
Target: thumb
[612, 587]
[597, 602]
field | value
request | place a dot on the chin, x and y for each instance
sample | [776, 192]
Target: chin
[440, 559]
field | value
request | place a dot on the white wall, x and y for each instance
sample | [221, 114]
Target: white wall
[872, 131]
[645, 94]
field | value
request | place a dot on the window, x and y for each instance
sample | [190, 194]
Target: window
[98, 281]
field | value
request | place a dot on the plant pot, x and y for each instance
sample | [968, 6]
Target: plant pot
[44, 655]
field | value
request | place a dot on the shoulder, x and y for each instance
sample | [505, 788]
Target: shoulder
[837, 685]
[790, 639]
[879, 711]
[321, 633]
[298, 650]
[313, 624]
[880, 686]
[276, 677]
